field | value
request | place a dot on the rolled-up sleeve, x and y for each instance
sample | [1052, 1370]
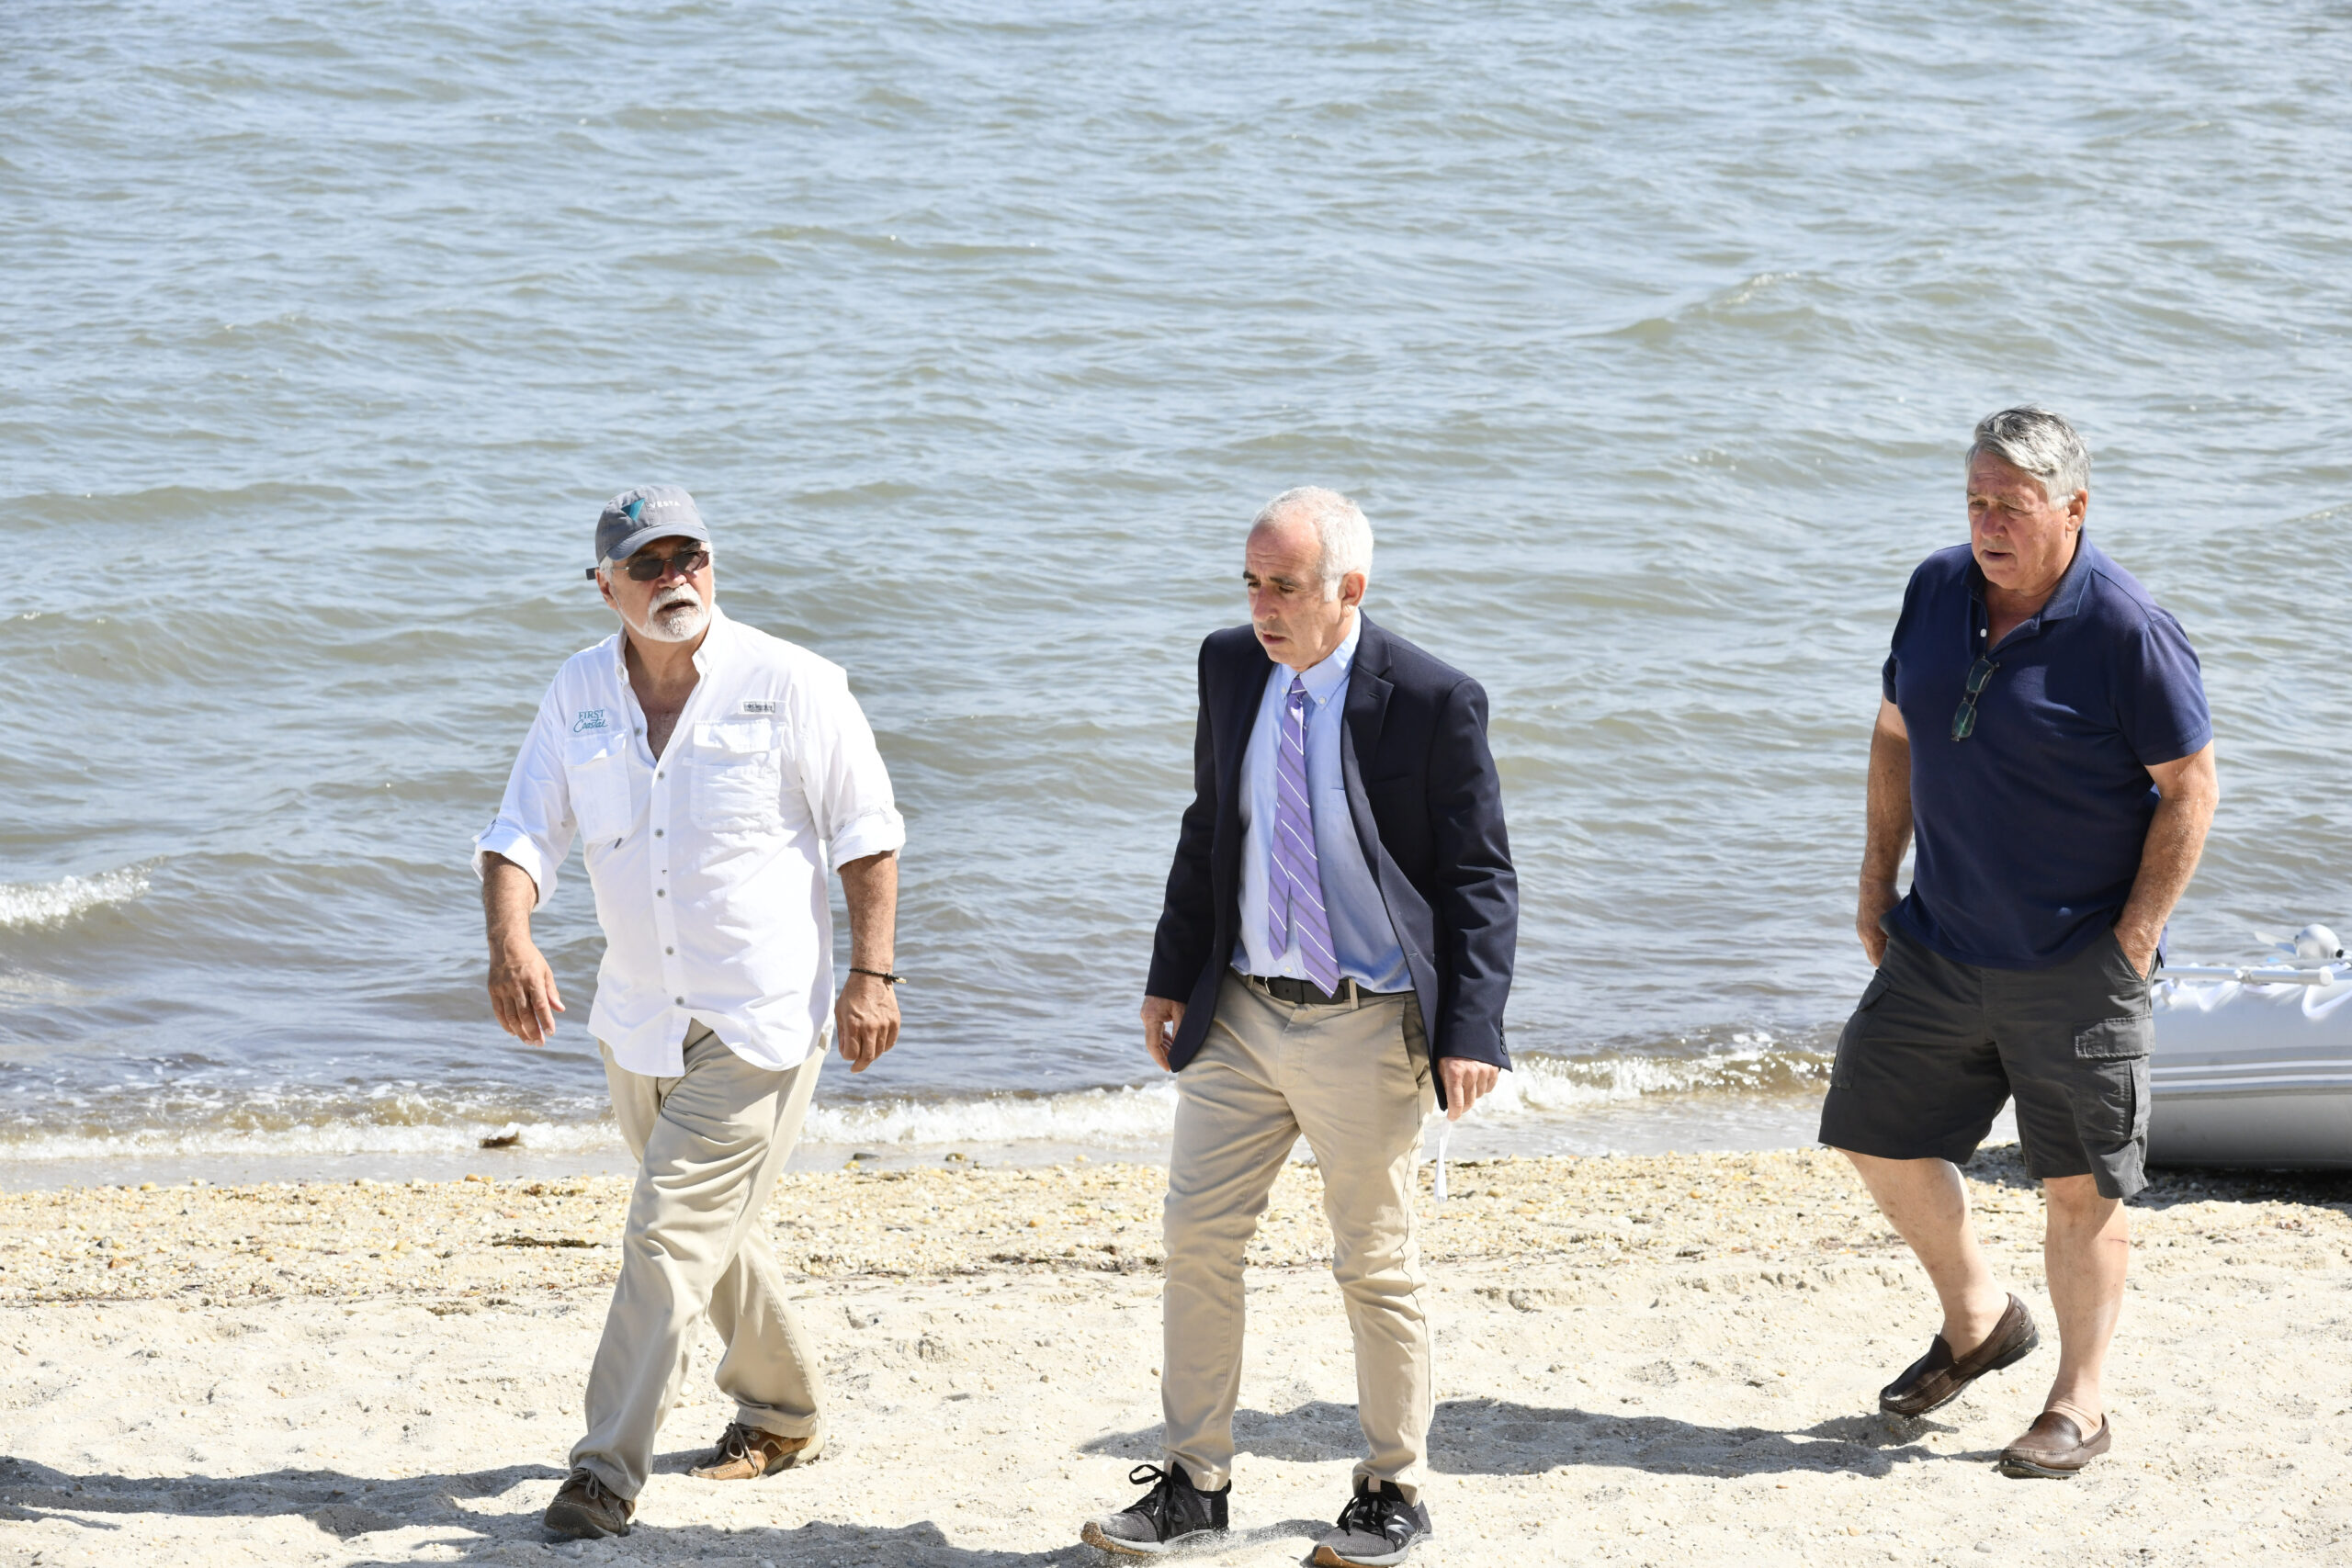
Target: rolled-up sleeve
[534, 826]
[840, 773]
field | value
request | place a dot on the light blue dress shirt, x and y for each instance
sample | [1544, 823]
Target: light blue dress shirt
[1362, 938]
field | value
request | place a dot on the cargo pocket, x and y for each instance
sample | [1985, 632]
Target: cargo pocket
[2112, 1082]
[595, 771]
[1841, 1068]
[737, 782]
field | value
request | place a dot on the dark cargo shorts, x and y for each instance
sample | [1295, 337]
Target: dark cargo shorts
[1936, 1047]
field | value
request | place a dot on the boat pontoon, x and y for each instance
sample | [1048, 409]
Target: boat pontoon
[2253, 1062]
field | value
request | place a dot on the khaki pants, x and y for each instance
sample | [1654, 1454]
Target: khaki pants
[708, 1146]
[1355, 1079]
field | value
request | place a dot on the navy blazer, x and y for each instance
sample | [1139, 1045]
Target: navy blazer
[1428, 810]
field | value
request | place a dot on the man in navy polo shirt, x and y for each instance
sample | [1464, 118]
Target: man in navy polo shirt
[2043, 731]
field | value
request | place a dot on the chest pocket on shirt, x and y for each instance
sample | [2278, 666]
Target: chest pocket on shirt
[597, 770]
[736, 778]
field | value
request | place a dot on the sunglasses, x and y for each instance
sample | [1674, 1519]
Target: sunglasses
[1963, 722]
[644, 568]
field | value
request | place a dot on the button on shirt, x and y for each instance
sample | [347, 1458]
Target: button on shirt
[709, 864]
[1363, 940]
[2030, 830]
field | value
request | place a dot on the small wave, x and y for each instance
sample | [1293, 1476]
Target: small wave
[331, 1140]
[54, 903]
[1113, 1116]
[262, 1124]
[1754, 1064]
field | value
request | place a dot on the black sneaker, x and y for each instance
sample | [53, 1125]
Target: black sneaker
[1376, 1528]
[1173, 1514]
[585, 1508]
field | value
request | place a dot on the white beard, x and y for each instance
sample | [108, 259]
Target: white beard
[678, 616]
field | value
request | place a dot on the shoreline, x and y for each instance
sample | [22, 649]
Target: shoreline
[1641, 1359]
[1744, 1092]
[1718, 1122]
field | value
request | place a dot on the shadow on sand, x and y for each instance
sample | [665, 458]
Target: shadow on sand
[1492, 1436]
[352, 1506]
[343, 1506]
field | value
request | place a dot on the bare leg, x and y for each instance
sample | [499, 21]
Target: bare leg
[2085, 1251]
[1926, 1202]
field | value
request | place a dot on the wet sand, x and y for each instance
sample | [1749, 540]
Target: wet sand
[1642, 1359]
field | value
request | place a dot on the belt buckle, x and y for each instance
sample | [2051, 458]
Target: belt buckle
[1306, 993]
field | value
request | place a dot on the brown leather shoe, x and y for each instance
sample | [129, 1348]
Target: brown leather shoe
[2054, 1448]
[1936, 1379]
[746, 1453]
[585, 1509]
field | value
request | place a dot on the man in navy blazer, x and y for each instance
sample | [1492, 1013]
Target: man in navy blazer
[1425, 806]
[1332, 961]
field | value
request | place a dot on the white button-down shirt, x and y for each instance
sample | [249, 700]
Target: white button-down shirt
[708, 863]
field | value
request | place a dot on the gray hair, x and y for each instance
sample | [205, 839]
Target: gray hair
[1342, 533]
[2036, 441]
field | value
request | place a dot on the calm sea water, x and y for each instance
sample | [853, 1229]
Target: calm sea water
[1648, 334]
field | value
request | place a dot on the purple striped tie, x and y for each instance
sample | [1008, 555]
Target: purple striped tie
[1294, 891]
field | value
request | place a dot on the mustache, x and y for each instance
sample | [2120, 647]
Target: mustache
[673, 597]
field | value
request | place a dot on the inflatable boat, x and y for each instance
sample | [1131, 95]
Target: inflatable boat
[2253, 1062]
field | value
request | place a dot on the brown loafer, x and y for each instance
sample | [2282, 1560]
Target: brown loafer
[585, 1510]
[746, 1453]
[2054, 1448]
[1936, 1379]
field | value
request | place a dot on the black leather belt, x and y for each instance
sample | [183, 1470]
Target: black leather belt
[1307, 993]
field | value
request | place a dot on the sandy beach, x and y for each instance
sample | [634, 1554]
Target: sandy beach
[1650, 1360]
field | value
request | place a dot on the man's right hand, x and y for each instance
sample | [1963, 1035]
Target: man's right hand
[522, 991]
[1877, 901]
[1161, 1019]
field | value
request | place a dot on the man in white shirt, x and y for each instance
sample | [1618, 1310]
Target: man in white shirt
[711, 771]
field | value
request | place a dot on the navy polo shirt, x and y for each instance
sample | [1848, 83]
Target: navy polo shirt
[2030, 831]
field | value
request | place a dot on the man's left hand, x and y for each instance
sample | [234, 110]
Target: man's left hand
[865, 1020]
[1466, 1083]
[2140, 949]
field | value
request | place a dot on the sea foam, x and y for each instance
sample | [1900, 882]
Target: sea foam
[1136, 1119]
[329, 1139]
[1753, 1063]
[53, 903]
[1105, 1116]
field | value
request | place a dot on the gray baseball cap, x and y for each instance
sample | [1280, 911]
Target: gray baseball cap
[635, 518]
